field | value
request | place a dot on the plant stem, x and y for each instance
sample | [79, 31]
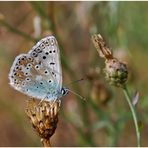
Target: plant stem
[16, 31]
[45, 142]
[127, 96]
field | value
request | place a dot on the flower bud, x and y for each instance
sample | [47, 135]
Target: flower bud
[116, 72]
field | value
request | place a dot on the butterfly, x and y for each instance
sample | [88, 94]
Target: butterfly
[38, 73]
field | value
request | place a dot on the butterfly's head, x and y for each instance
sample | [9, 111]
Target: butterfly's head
[64, 91]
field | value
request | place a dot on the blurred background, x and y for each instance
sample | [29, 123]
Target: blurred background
[104, 119]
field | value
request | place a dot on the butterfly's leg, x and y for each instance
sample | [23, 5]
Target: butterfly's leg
[42, 101]
[54, 101]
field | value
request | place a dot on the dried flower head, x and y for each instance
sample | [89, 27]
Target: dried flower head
[44, 118]
[100, 94]
[115, 71]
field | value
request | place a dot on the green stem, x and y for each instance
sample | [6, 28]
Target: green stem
[16, 31]
[127, 96]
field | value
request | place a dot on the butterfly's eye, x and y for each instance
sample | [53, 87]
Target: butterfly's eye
[64, 91]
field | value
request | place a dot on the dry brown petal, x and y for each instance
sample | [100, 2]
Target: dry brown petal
[101, 47]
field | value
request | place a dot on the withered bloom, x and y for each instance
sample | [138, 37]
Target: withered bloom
[44, 118]
[115, 71]
[99, 93]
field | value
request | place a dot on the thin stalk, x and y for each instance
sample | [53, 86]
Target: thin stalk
[46, 142]
[16, 31]
[127, 96]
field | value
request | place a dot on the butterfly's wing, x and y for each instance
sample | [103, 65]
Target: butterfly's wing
[38, 73]
[49, 53]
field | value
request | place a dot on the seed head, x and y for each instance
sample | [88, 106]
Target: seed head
[44, 118]
[116, 72]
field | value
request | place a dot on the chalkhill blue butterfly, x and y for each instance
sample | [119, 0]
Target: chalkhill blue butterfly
[38, 73]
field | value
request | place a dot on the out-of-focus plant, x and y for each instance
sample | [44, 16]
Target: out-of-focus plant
[116, 74]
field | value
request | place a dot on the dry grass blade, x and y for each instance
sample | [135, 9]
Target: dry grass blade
[101, 47]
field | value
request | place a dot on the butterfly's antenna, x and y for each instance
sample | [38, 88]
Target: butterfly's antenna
[77, 94]
[79, 80]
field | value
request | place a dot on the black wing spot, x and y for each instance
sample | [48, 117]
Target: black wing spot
[44, 57]
[37, 67]
[29, 65]
[41, 83]
[47, 43]
[42, 46]
[34, 54]
[20, 68]
[46, 71]
[30, 59]
[49, 81]
[40, 62]
[50, 51]
[38, 50]
[28, 79]
[52, 41]
[46, 53]
[52, 63]
[54, 51]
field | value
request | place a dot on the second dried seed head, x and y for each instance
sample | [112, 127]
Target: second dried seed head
[116, 72]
